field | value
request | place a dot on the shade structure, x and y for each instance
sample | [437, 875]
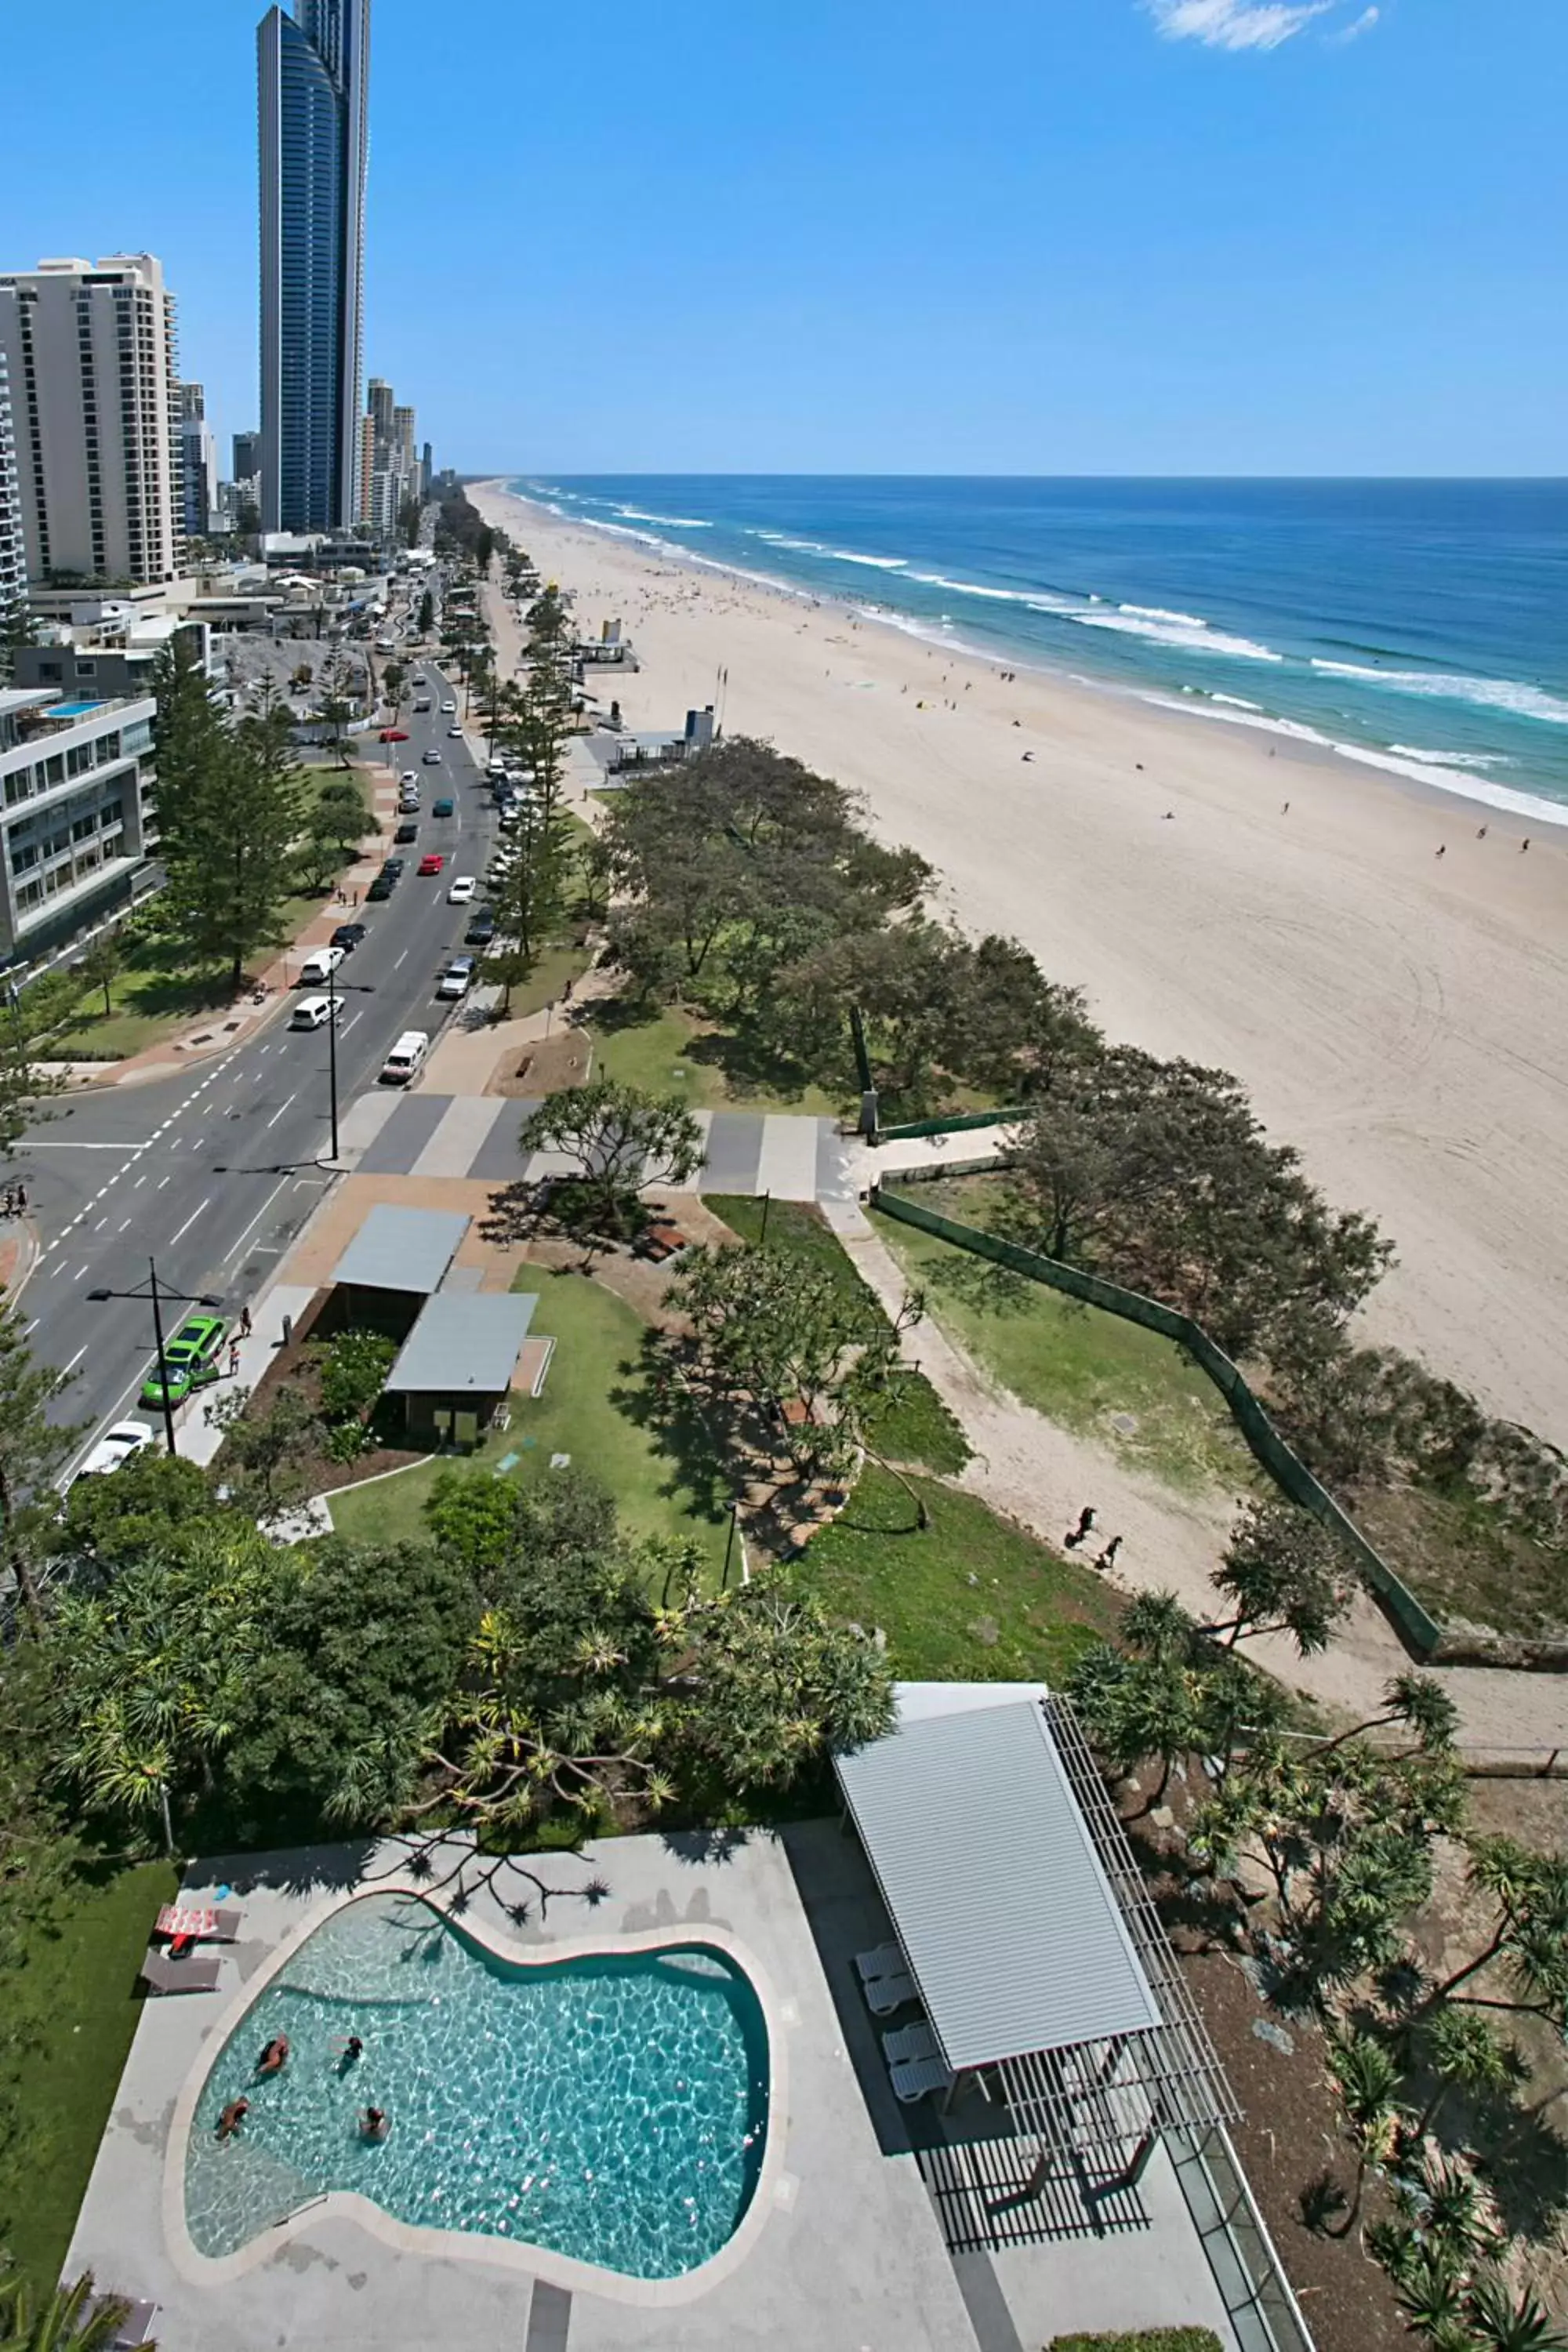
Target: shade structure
[463, 1344]
[401, 1249]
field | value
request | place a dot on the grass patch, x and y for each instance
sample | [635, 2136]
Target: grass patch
[594, 1407]
[1462, 1558]
[671, 1053]
[917, 1426]
[566, 961]
[64, 2077]
[1128, 1389]
[971, 1599]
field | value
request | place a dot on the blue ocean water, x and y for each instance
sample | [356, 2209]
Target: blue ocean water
[1421, 626]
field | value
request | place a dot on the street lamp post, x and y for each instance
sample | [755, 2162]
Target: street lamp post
[360, 988]
[152, 1292]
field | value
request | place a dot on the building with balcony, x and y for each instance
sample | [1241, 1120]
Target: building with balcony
[76, 823]
[89, 352]
[199, 462]
[12, 545]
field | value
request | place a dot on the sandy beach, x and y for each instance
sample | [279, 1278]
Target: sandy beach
[1399, 1016]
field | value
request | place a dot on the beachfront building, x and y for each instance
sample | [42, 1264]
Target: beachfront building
[13, 546]
[89, 352]
[313, 73]
[199, 462]
[74, 820]
[247, 456]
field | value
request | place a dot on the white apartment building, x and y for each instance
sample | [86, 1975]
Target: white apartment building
[13, 546]
[76, 819]
[90, 355]
[198, 463]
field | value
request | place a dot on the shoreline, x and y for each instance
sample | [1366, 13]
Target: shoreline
[1242, 901]
[1525, 811]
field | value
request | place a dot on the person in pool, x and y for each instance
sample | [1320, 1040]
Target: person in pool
[374, 2124]
[354, 2050]
[233, 2115]
[275, 2057]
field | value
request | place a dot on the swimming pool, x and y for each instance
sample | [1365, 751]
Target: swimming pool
[612, 2108]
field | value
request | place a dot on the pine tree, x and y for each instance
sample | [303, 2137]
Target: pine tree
[229, 824]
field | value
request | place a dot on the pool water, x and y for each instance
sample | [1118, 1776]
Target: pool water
[613, 2109]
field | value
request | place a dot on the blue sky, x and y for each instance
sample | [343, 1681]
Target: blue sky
[1016, 235]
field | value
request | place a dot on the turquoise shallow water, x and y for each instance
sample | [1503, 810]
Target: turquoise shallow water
[613, 2109]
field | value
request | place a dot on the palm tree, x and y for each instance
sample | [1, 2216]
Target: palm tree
[68, 2319]
[1414, 1699]
[1502, 2321]
[1366, 2079]
[1530, 1939]
[1462, 2050]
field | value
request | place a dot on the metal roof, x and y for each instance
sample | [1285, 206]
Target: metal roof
[402, 1249]
[464, 1343]
[1003, 1912]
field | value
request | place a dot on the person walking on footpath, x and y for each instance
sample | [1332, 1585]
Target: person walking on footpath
[1085, 1526]
[233, 1358]
[245, 1322]
[1108, 1556]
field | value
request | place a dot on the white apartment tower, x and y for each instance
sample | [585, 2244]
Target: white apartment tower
[89, 350]
[13, 546]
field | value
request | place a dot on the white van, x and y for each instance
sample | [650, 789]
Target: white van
[320, 966]
[406, 1059]
[312, 1013]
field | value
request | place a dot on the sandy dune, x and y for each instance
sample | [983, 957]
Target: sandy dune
[1402, 1018]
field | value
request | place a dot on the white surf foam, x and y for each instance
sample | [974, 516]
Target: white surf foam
[1454, 759]
[670, 522]
[1490, 693]
[1196, 638]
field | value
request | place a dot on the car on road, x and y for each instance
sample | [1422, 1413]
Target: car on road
[457, 977]
[314, 1012]
[406, 1059]
[409, 832]
[462, 890]
[115, 1448]
[444, 806]
[348, 936]
[432, 756]
[393, 867]
[456, 731]
[448, 708]
[320, 965]
[190, 1359]
[481, 927]
[382, 886]
[432, 862]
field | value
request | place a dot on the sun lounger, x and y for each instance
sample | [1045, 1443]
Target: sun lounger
[886, 1960]
[197, 1923]
[907, 2044]
[228, 1925]
[917, 2080]
[885, 1994]
[160, 1974]
[135, 2328]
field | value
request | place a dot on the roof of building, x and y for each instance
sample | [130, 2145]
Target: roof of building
[402, 1249]
[1010, 1928]
[464, 1343]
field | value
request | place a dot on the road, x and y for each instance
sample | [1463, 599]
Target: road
[213, 1172]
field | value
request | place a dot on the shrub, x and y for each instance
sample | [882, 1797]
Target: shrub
[1149, 2339]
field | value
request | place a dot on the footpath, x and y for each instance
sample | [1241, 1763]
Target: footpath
[219, 1033]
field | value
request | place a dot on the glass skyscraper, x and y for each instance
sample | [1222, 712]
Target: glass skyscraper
[313, 71]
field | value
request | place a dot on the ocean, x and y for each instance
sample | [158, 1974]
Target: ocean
[1419, 626]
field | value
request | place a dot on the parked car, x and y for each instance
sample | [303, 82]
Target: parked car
[190, 1359]
[393, 867]
[444, 806]
[462, 890]
[320, 965]
[348, 936]
[457, 977]
[409, 832]
[115, 1448]
[314, 1012]
[432, 862]
[382, 886]
[481, 927]
[409, 776]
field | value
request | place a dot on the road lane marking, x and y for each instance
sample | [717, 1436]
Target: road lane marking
[257, 1219]
[76, 1358]
[190, 1221]
[278, 1113]
[161, 1181]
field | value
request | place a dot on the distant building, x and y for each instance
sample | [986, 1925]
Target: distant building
[313, 72]
[90, 356]
[427, 472]
[199, 462]
[246, 455]
[367, 466]
[13, 542]
[75, 816]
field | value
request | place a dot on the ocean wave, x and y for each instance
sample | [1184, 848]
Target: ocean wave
[1035, 598]
[1158, 613]
[872, 563]
[671, 523]
[1490, 693]
[1454, 759]
[800, 546]
[1198, 638]
[1237, 701]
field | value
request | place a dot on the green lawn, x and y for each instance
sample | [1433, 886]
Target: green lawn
[594, 1407]
[558, 964]
[672, 1054]
[971, 1599]
[918, 1427]
[83, 1997]
[1128, 1389]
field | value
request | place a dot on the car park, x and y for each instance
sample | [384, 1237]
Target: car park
[409, 832]
[348, 936]
[115, 1448]
[457, 977]
[443, 807]
[432, 758]
[190, 1359]
[481, 927]
[432, 862]
[314, 1012]
[462, 890]
[320, 965]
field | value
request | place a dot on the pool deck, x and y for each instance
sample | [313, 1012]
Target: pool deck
[874, 2230]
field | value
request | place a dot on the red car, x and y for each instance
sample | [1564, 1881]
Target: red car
[433, 862]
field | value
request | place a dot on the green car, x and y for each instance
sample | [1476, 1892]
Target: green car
[443, 808]
[190, 1359]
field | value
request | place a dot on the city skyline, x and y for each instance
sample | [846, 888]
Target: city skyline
[312, 106]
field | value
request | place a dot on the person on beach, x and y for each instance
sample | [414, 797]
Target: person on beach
[1443, 849]
[233, 2115]
[1286, 810]
[1524, 845]
[1481, 835]
[374, 2124]
[275, 2057]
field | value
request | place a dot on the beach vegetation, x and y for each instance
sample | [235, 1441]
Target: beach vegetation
[618, 1139]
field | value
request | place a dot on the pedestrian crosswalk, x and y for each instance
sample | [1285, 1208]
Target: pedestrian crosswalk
[476, 1136]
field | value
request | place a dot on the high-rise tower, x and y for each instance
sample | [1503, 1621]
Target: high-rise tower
[313, 71]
